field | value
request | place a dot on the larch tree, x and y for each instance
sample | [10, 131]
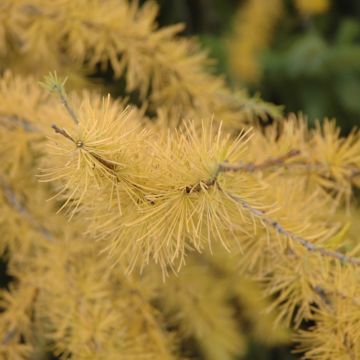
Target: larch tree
[168, 227]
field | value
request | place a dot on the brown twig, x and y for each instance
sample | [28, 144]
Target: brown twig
[63, 133]
[14, 121]
[260, 214]
[325, 295]
[79, 144]
[19, 207]
[355, 173]
[251, 167]
[247, 167]
[9, 335]
[281, 161]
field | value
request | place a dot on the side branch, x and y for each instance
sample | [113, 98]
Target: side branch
[281, 162]
[9, 335]
[79, 144]
[326, 295]
[251, 167]
[246, 167]
[260, 214]
[54, 84]
[63, 133]
[67, 106]
[16, 204]
[355, 173]
[13, 121]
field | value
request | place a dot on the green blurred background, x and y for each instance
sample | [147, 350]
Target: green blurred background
[310, 61]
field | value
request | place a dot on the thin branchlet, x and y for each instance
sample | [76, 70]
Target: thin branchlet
[246, 167]
[69, 109]
[9, 335]
[54, 84]
[322, 169]
[355, 173]
[13, 122]
[280, 229]
[326, 294]
[251, 167]
[14, 202]
[79, 144]
[64, 133]
[261, 215]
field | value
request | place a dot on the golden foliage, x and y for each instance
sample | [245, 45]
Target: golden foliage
[271, 199]
[132, 238]
[312, 7]
[77, 36]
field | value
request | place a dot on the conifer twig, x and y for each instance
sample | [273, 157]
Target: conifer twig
[246, 167]
[10, 121]
[67, 106]
[79, 144]
[64, 133]
[355, 173]
[9, 335]
[260, 214]
[278, 161]
[16, 204]
[52, 83]
[251, 167]
[325, 294]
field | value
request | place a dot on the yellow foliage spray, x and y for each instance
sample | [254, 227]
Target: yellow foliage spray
[186, 233]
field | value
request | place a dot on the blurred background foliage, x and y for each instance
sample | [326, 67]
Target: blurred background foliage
[304, 54]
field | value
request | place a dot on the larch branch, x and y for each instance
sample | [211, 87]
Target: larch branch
[63, 133]
[280, 229]
[11, 121]
[67, 106]
[79, 144]
[12, 199]
[9, 335]
[251, 167]
[246, 167]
